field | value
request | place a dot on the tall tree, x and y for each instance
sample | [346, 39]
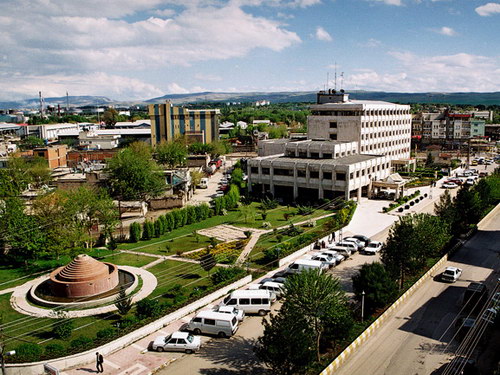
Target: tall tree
[467, 209]
[110, 117]
[444, 208]
[134, 176]
[22, 172]
[287, 345]
[316, 296]
[376, 284]
[172, 154]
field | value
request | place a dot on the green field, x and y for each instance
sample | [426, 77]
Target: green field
[166, 245]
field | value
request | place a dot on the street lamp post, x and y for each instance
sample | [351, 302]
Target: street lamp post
[362, 305]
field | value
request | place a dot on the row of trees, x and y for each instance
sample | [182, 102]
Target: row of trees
[60, 222]
[166, 223]
[227, 202]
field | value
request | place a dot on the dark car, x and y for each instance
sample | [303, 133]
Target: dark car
[365, 239]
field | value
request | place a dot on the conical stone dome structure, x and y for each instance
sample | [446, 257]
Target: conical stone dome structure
[84, 276]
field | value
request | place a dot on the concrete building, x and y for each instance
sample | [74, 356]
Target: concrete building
[317, 169]
[380, 128]
[95, 141]
[351, 144]
[169, 122]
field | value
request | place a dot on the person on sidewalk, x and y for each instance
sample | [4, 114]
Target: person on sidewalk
[99, 362]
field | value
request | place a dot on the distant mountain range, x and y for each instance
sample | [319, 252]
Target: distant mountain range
[472, 98]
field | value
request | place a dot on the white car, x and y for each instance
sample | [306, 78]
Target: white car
[325, 258]
[219, 194]
[373, 247]
[223, 181]
[239, 314]
[178, 342]
[449, 185]
[334, 254]
[359, 243]
[451, 274]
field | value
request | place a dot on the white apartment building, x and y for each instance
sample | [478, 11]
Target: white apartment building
[350, 144]
[380, 128]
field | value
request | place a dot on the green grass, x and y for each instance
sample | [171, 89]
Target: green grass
[171, 272]
[158, 246]
[124, 259]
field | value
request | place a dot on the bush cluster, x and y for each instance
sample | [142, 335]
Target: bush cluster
[227, 202]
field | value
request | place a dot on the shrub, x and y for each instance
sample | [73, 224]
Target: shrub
[385, 209]
[55, 350]
[248, 233]
[127, 321]
[225, 274]
[148, 308]
[269, 204]
[266, 225]
[147, 230]
[158, 226]
[169, 222]
[62, 329]
[28, 352]
[412, 203]
[400, 209]
[191, 215]
[135, 232]
[106, 333]
[81, 343]
[407, 206]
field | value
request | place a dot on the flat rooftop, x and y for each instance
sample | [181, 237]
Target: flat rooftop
[346, 160]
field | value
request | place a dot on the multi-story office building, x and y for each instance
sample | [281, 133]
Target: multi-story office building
[169, 122]
[380, 128]
[350, 145]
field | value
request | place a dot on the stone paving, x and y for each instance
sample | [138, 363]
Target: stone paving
[225, 232]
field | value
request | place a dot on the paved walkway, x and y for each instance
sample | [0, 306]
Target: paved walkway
[19, 302]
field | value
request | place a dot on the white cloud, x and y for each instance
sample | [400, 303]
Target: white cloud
[164, 12]
[285, 16]
[450, 73]
[488, 9]
[207, 77]
[371, 43]
[54, 85]
[448, 31]
[74, 42]
[390, 2]
[174, 88]
[322, 34]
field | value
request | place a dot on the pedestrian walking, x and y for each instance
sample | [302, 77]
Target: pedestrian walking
[323, 244]
[333, 237]
[99, 362]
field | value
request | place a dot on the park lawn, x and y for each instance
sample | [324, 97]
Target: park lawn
[171, 272]
[276, 217]
[126, 259]
[166, 246]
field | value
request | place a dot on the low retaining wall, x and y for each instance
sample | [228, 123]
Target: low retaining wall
[342, 357]
[36, 368]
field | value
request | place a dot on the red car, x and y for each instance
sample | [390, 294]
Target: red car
[456, 181]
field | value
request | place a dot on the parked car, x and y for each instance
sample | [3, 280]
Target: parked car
[250, 301]
[451, 274]
[362, 238]
[470, 181]
[214, 323]
[342, 250]
[177, 341]
[223, 181]
[275, 288]
[325, 258]
[373, 247]
[357, 242]
[218, 194]
[305, 264]
[348, 244]
[457, 181]
[239, 314]
[449, 185]
[336, 255]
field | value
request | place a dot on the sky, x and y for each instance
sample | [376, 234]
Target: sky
[140, 49]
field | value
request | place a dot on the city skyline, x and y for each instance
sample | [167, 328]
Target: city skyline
[129, 50]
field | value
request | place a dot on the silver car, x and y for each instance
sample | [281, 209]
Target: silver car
[177, 342]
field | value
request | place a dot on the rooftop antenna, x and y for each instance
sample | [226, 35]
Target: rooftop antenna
[335, 76]
[341, 80]
[327, 80]
[67, 103]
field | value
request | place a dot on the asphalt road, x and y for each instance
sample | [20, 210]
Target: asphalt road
[417, 339]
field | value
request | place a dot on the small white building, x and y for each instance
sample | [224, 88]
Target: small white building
[94, 141]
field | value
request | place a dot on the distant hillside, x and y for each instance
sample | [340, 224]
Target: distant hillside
[472, 98]
[74, 101]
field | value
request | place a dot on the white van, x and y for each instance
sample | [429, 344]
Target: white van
[250, 301]
[215, 323]
[306, 264]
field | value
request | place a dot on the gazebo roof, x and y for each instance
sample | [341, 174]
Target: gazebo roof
[83, 268]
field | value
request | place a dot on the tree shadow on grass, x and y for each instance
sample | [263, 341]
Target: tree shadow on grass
[188, 276]
[236, 355]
